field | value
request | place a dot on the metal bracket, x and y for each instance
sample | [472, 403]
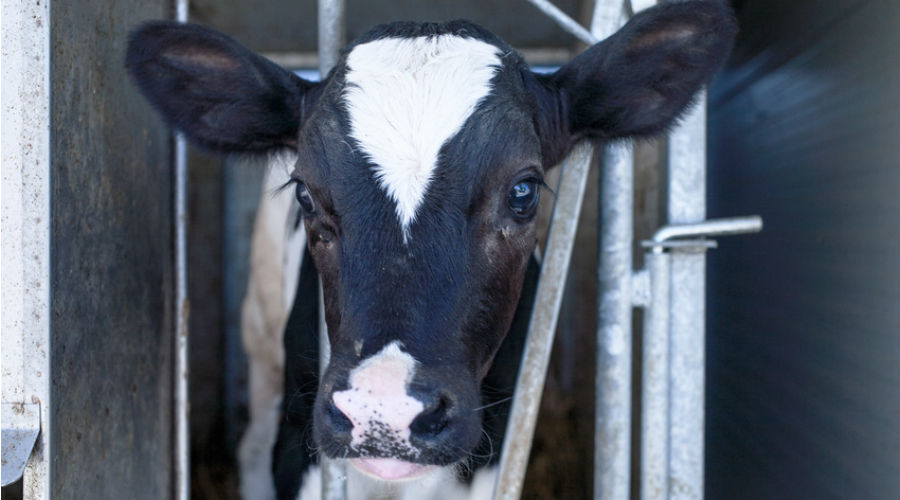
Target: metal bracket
[21, 426]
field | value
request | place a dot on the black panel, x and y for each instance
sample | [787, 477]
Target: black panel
[804, 319]
[111, 263]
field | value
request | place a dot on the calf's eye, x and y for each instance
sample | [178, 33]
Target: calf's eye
[305, 198]
[523, 197]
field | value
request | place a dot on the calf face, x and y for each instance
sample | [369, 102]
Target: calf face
[420, 160]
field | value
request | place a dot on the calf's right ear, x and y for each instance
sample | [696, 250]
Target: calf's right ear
[637, 82]
[220, 94]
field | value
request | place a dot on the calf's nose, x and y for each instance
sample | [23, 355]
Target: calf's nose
[377, 403]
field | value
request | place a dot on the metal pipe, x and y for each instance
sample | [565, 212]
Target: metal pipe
[713, 227]
[655, 379]
[687, 205]
[182, 398]
[331, 39]
[331, 34]
[182, 304]
[612, 430]
[564, 21]
[541, 330]
[612, 442]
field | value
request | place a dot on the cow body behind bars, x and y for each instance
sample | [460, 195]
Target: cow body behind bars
[416, 166]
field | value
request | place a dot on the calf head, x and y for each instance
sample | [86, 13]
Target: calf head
[420, 161]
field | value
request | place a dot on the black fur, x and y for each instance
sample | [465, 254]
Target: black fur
[224, 97]
[293, 452]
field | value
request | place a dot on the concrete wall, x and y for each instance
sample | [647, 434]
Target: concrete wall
[803, 318]
[111, 262]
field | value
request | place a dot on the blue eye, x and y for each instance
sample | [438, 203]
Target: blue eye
[523, 197]
[305, 198]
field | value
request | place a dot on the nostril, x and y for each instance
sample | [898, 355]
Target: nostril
[339, 421]
[432, 420]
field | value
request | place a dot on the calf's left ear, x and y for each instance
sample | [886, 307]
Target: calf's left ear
[638, 81]
[220, 94]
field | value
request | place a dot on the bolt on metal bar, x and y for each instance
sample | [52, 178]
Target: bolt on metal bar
[331, 39]
[564, 21]
[541, 330]
[182, 312]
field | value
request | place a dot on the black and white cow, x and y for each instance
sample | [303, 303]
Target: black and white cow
[417, 166]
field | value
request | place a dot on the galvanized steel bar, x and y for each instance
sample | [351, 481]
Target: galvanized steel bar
[182, 313]
[533, 371]
[687, 204]
[331, 33]
[25, 225]
[612, 430]
[564, 21]
[331, 40]
[655, 381]
[182, 398]
[612, 442]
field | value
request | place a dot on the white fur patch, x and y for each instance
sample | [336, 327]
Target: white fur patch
[406, 97]
[377, 403]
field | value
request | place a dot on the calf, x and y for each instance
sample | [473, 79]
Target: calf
[417, 165]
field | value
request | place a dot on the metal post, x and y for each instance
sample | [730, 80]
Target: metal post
[687, 204]
[612, 441]
[331, 39]
[612, 431]
[25, 245]
[655, 378]
[182, 312]
[182, 398]
[331, 34]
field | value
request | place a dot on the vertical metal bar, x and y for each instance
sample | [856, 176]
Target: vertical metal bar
[655, 381]
[612, 431]
[182, 304]
[687, 203]
[182, 401]
[25, 184]
[331, 34]
[331, 39]
[533, 371]
[612, 445]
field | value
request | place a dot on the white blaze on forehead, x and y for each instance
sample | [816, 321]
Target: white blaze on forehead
[377, 403]
[406, 97]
